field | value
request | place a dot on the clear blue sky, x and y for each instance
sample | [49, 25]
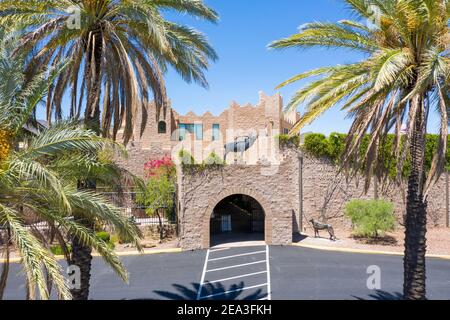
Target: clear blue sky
[246, 66]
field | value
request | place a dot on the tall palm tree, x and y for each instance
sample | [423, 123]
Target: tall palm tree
[117, 51]
[39, 179]
[403, 77]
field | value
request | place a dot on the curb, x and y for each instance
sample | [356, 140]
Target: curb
[350, 250]
[120, 254]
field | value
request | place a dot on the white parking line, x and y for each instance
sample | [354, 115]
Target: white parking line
[236, 266]
[269, 293]
[230, 291]
[237, 277]
[238, 255]
[203, 276]
[205, 271]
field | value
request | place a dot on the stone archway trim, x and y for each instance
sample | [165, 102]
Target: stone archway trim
[232, 191]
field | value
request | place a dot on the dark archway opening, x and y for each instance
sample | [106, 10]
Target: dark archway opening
[237, 218]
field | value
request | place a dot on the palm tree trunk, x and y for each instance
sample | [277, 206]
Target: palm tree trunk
[416, 217]
[81, 257]
[5, 266]
[81, 253]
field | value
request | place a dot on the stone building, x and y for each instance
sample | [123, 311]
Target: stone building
[269, 193]
[203, 134]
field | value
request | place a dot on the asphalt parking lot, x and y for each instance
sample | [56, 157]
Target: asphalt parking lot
[291, 273]
[228, 272]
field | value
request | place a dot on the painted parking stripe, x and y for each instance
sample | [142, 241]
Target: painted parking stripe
[238, 255]
[251, 271]
[237, 266]
[237, 277]
[269, 293]
[235, 290]
[203, 276]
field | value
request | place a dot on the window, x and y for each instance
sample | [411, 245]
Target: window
[225, 223]
[196, 129]
[182, 131]
[286, 131]
[198, 132]
[161, 127]
[216, 132]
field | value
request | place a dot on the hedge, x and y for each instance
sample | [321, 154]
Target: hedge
[333, 146]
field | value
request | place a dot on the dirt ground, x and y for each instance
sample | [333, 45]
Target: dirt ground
[148, 244]
[438, 241]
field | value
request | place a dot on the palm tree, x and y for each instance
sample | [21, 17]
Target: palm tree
[117, 52]
[404, 76]
[39, 179]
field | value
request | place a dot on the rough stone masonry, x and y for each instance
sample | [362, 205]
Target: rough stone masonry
[301, 187]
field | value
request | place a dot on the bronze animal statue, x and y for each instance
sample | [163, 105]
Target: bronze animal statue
[240, 146]
[322, 226]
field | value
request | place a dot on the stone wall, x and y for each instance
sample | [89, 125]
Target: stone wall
[276, 188]
[325, 194]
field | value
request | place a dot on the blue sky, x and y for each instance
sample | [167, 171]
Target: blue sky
[246, 66]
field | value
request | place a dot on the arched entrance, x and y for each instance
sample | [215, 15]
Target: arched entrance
[237, 218]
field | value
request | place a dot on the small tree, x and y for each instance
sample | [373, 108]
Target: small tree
[159, 192]
[371, 217]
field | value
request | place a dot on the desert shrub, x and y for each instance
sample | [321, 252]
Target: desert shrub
[370, 218]
[115, 238]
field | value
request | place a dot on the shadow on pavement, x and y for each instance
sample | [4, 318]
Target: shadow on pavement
[383, 295]
[234, 292]
[297, 237]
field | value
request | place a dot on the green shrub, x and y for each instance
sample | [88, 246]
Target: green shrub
[336, 144]
[213, 159]
[333, 147]
[371, 218]
[58, 251]
[115, 238]
[105, 237]
[186, 158]
[317, 144]
[287, 140]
